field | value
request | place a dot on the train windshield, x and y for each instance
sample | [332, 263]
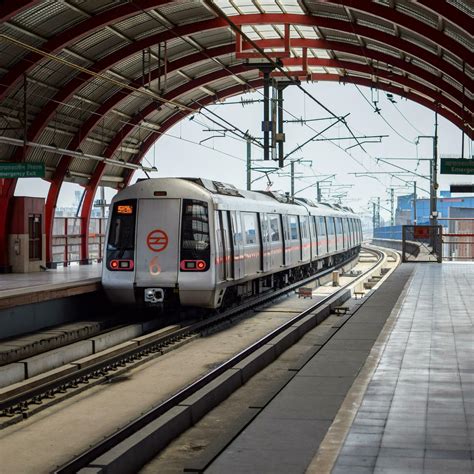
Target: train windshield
[121, 242]
[195, 245]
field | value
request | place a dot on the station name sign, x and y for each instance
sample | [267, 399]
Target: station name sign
[22, 170]
[457, 166]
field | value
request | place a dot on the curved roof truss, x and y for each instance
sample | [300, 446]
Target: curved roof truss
[99, 73]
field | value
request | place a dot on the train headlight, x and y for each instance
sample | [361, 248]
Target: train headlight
[193, 265]
[126, 265]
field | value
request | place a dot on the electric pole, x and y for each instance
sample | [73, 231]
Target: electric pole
[414, 202]
[374, 217]
[378, 212]
[392, 206]
[434, 213]
[249, 163]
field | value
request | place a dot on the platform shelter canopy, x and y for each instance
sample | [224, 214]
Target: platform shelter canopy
[87, 86]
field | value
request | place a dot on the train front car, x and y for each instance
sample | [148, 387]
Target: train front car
[158, 243]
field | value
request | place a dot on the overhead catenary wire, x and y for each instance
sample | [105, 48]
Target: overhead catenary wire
[217, 10]
[180, 107]
[153, 18]
[147, 92]
[97, 75]
[378, 112]
[406, 119]
[148, 128]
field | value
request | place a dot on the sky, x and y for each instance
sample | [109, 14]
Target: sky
[223, 158]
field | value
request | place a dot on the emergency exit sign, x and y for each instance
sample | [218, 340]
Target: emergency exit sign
[22, 170]
[457, 166]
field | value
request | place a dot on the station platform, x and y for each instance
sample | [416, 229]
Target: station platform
[32, 301]
[26, 288]
[391, 392]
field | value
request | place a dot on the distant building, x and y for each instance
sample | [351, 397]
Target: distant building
[448, 207]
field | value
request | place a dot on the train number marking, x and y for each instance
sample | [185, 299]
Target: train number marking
[154, 266]
[157, 240]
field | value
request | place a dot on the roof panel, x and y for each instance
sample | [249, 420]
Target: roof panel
[418, 40]
[99, 44]
[142, 24]
[50, 17]
[463, 5]
[184, 12]
[418, 12]
[47, 18]
[11, 53]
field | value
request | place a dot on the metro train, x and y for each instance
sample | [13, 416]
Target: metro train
[203, 243]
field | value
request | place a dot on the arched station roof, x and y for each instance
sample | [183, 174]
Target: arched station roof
[105, 78]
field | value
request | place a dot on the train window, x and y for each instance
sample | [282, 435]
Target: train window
[345, 228]
[250, 227]
[121, 241]
[274, 226]
[293, 224]
[264, 227]
[304, 227]
[312, 228]
[285, 228]
[331, 226]
[321, 226]
[195, 242]
[237, 229]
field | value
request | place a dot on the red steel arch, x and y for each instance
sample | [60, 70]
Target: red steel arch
[77, 82]
[452, 103]
[92, 122]
[121, 12]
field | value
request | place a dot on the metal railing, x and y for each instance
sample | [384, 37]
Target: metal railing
[67, 238]
[457, 238]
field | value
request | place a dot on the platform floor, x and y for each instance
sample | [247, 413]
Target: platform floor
[410, 406]
[14, 284]
[417, 414]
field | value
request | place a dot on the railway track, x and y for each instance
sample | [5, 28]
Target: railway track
[33, 394]
[166, 408]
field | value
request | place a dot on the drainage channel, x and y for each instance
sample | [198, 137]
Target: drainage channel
[124, 450]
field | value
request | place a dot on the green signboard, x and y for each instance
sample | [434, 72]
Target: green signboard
[22, 170]
[457, 166]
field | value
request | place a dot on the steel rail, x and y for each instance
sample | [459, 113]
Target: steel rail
[83, 459]
[19, 401]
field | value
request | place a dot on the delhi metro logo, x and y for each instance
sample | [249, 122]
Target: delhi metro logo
[157, 240]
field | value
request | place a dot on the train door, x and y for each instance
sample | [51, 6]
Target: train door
[351, 232]
[286, 239]
[220, 249]
[157, 242]
[322, 236]
[305, 239]
[345, 231]
[228, 244]
[265, 242]
[236, 228]
[331, 232]
[314, 238]
[276, 241]
[295, 240]
[252, 247]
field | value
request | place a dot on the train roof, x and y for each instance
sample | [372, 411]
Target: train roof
[219, 188]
